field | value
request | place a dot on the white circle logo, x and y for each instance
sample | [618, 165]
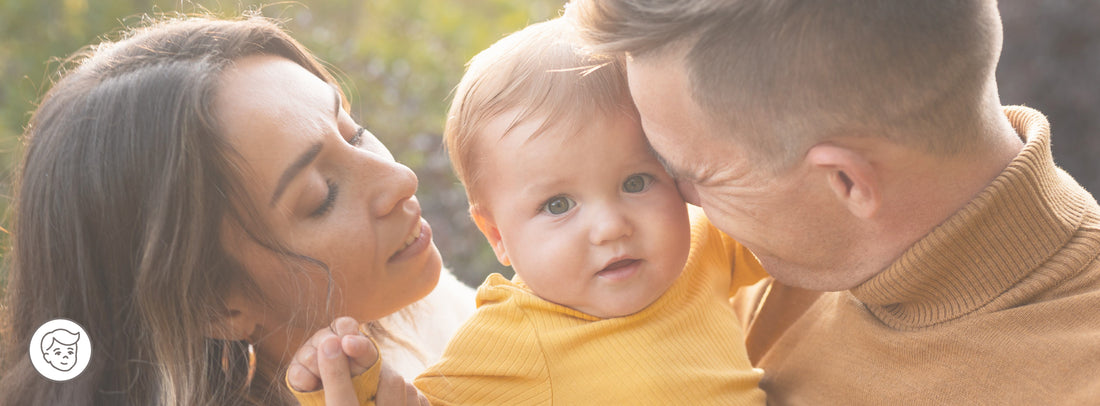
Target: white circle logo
[60, 349]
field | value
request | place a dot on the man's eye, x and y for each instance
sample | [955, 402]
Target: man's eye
[558, 205]
[637, 183]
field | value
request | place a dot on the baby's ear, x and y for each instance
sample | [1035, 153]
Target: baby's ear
[489, 228]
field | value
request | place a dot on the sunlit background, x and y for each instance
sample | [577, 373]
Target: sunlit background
[400, 59]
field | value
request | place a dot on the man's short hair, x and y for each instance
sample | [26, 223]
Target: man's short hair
[782, 75]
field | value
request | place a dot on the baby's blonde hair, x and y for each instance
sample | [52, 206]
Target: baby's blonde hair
[539, 73]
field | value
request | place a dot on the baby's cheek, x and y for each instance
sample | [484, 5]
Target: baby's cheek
[549, 259]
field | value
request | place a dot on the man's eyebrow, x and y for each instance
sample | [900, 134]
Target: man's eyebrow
[294, 169]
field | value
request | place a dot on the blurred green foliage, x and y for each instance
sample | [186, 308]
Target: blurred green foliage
[398, 60]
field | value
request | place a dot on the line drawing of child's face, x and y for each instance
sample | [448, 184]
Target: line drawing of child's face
[60, 356]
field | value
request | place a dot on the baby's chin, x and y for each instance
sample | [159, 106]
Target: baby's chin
[621, 308]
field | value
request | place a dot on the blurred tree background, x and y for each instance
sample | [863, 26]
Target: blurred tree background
[1051, 62]
[399, 60]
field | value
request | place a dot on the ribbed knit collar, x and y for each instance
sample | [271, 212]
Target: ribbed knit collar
[1019, 221]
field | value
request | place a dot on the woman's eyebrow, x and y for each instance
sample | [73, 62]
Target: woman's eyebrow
[306, 158]
[294, 169]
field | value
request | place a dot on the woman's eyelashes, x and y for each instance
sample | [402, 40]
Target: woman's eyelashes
[334, 189]
[357, 139]
[330, 200]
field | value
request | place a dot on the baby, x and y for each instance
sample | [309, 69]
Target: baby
[620, 295]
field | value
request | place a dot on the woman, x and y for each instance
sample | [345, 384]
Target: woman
[198, 199]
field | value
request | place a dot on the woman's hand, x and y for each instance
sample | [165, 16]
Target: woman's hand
[331, 358]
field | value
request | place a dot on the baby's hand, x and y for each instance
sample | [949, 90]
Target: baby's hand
[334, 354]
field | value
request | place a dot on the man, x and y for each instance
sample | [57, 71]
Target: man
[924, 247]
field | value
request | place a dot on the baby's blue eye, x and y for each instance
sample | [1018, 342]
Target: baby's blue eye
[637, 183]
[558, 205]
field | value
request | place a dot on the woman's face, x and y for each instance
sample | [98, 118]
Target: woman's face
[326, 189]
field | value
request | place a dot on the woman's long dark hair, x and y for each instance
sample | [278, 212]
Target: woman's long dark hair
[123, 189]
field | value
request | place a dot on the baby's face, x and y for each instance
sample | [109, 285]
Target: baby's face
[589, 220]
[61, 356]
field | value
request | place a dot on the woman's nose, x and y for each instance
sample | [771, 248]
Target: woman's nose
[609, 224]
[393, 184]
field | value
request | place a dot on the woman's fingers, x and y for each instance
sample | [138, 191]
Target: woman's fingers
[360, 349]
[343, 326]
[303, 373]
[301, 380]
[361, 352]
[335, 376]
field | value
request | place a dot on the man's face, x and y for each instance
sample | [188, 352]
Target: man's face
[62, 357]
[787, 219]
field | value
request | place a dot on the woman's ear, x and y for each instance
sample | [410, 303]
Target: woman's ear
[237, 321]
[851, 177]
[489, 228]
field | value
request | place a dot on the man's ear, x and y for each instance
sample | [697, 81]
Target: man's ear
[238, 321]
[850, 176]
[489, 228]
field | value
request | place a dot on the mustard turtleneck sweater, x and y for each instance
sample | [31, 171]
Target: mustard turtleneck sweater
[999, 305]
[685, 348]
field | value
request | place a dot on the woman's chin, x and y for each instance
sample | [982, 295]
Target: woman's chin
[420, 282]
[432, 268]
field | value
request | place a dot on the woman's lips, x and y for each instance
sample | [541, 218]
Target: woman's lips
[416, 242]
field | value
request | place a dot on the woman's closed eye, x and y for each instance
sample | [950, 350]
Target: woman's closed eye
[329, 201]
[332, 188]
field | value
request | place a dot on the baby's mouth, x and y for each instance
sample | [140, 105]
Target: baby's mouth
[620, 269]
[619, 264]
